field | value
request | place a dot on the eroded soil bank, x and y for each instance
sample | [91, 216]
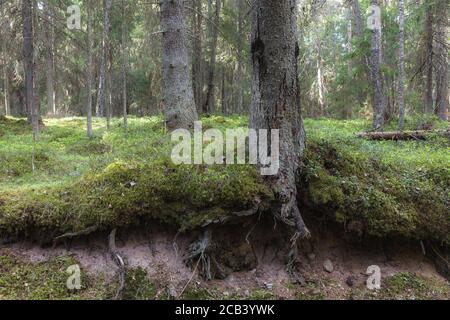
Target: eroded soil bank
[247, 261]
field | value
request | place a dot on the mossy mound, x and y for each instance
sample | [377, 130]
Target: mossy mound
[13, 126]
[127, 193]
[377, 188]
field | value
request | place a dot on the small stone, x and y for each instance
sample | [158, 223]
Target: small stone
[172, 292]
[269, 286]
[311, 256]
[328, 266]
[315, 292]
[350, 281]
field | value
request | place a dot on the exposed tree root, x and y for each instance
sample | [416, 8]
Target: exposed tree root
[197, 250]
[119, 262]
[227, 218]
[440, 257]
[71, 235]
[293, 266]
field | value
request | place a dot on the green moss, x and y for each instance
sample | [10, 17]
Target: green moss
[405, 285]
[89, 147]
[384, 188]
[196, 292]
[261, 294]
[138, 285]
[45, 281]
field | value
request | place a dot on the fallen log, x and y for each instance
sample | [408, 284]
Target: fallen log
[402, 135]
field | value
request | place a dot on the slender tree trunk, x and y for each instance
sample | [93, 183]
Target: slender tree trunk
[320, 84]
[180, 110]
[347, 112]
[357, 32]
[401, 64]
[357, 17]
[349, 42]
[6, 86]
[375, 76]
[210, 94]
[240, 59]
[276, 97]
[197, 70]
[428, 92]
[223, 88]
[124, 70]
[50, 72]
[89, 70]
[29, 66]
[442, 95]
[5, 63]
[109, 73]
[101, 95]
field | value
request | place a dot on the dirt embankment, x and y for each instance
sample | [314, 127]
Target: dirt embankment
[245, 261]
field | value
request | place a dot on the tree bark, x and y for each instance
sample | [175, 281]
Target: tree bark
[50, 71]
[109, 73]
[401, 64]
[357, 31]
[357, 18]
[320, 81]
[124, 70]
[240, 59]
[180, 110]
[197, 61]
[428, 92]
[5, 63]
[210, 94]
[29, 65]
[442, 95]
[101, 95]
[375, 76]
[276, 98]
[89, 70]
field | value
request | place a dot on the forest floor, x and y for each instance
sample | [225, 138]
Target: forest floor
[359, 198]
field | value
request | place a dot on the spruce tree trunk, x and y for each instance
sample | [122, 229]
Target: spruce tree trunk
[197, 61]
[401, 64]
[428, 91]
[50, 72]
[357, 31]
[89, 70]
[276, 97]
[124, 70]
[240, 59]
[5, 63]
[210, 94]
[375, 76]
[29, 66]
[101, 94]
[180, 110]
[442, 96]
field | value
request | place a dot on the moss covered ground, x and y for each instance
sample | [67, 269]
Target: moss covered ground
[47, 280]
[378, 188]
